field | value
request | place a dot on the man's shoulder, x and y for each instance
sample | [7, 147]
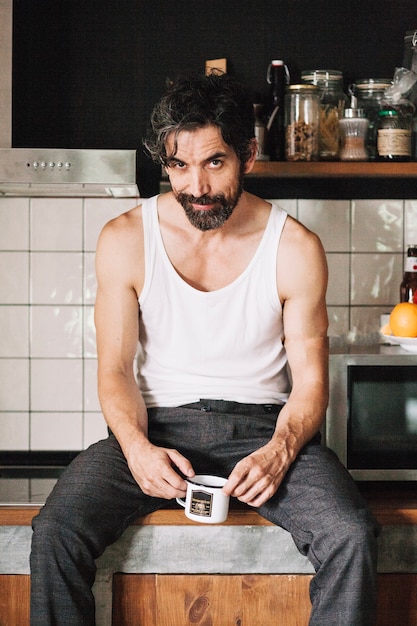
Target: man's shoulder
[300, 245]
[123, 230]
[126, 220]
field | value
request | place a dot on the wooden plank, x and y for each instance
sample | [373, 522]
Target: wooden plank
[190, 600]
[399, 515]
[335, 169]
[397, 600]
[273, 599]
[392, 505]
[134, 600]
[210, 600]
[14, 600]
[22, 516]
[248, 600]
[176, 517]
[202, 600]
[17, 515]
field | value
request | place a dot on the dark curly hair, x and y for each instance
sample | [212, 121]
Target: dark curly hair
[196, 101]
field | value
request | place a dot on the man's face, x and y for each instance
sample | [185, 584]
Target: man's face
[206, 176]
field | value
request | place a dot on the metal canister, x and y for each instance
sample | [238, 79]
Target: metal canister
[302, 114]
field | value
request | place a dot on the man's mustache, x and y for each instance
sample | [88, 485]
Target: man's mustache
[202, 200]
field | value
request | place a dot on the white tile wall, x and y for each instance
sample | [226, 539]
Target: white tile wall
[48, 387]
[365, 242]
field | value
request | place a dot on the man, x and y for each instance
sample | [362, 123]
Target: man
[226, 294]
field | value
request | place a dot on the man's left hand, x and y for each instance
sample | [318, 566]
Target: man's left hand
[257, 477]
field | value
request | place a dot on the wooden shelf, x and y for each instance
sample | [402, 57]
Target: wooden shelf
[333, 169]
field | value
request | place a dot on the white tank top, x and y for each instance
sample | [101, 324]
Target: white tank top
[224, 344]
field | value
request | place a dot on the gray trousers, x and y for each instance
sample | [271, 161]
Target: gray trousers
[96, 499]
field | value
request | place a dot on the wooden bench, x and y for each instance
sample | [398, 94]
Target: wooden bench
[169, 571]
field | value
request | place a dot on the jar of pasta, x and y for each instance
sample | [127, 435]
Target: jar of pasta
[302, 104]
[332, 104]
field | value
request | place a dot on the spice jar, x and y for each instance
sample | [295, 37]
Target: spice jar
[353, 126]
[394, 131]
[333, 101]
[370, 94]
[302, 104]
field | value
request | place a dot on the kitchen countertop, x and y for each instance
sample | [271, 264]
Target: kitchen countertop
[24, 486]
[340, 346]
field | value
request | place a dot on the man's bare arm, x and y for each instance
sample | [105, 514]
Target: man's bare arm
[302, 280]
[119, 268]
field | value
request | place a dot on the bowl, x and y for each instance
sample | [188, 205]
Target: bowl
[407, 343]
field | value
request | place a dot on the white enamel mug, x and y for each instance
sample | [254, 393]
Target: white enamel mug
[204, 501]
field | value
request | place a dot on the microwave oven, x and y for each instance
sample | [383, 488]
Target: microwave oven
[371, 421]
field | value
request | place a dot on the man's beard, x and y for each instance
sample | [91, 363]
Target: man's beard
[211, 218]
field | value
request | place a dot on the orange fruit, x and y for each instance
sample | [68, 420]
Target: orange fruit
[403, 320]
[386, 329]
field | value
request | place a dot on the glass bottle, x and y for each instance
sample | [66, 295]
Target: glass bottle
[394, 131]
[408, 287]
[302, 112]
[333, 101]
[260, 133]
[370, 94]
[277, 77]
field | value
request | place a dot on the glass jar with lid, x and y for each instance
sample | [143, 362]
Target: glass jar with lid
[394, 131]
[370, 93]
[332, 104]
[302, 111]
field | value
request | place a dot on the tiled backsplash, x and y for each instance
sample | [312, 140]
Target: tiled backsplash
[48, 389]
[48, 397]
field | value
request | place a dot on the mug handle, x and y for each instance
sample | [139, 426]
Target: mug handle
[181, 502]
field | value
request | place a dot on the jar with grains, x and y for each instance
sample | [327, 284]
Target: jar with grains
[332, 104]
[302, 112]
[370, 93]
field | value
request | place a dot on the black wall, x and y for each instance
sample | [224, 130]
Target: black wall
[86, 73]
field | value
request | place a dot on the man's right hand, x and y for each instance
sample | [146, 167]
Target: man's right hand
[153, 468]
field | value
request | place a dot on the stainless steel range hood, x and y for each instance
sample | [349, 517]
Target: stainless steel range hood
[64, 172]
[54, 171]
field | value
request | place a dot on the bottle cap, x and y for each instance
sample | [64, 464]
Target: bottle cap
[319, 76]
[354, 113]
[303, 87]
[388, 113]
[366, 84]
